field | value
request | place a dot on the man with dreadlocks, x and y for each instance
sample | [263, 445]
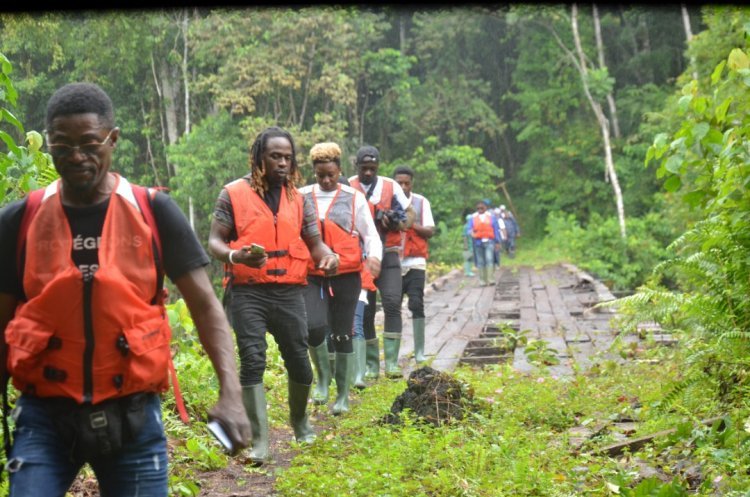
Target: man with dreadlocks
[265, 231]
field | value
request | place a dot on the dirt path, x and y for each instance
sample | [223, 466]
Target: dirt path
[464, 321]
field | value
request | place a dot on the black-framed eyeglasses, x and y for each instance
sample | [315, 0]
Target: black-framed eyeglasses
[65, 150]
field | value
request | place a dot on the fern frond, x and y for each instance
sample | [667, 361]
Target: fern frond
[679, 389]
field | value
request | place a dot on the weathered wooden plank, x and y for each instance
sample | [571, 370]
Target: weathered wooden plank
[450, 353]
[541, 301]
[634, 444]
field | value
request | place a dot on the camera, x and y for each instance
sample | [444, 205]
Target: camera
[391, 217]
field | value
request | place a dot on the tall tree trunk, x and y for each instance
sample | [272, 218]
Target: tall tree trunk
[167, 78]
[162, 126]
[643, 25]
[402, 33]
[149, 152]
[600, 52]
[308, 78]
[580, 63]
[185, 74]
[186, 90]
[688, 36]
[362, 117]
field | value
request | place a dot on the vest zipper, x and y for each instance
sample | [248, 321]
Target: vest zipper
[88, 330]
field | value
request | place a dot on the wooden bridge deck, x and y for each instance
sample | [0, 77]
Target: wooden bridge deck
[553, 304]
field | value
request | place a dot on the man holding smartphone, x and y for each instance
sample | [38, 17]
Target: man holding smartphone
[264, 231]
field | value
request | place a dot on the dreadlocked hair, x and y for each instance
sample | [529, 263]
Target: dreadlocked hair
[259, 182]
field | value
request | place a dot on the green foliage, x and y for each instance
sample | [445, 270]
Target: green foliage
[214, 153]
[516, 442]
[443, 175]
[704, 162]
[22, 168]
[621, 264]
[539, 353]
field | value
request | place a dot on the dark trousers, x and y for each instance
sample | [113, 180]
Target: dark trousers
[413, 287]
[330, 305]
[280, 310]
[389, 286]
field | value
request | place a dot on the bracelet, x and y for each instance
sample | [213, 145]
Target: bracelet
[231, 253]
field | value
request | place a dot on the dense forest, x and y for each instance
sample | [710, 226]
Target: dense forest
[547, 108]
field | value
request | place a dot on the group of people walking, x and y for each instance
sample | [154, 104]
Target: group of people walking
[86, 338]
[487, 233]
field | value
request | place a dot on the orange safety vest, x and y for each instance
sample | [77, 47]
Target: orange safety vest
[368, 282]
[415, 245]
[279, 235]
[483, 229]
[123, 347]
[392, 238]
[338, 232]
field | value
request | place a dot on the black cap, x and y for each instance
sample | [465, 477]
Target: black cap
[367, 153]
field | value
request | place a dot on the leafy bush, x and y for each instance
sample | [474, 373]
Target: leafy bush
[598, 247]
[22, 168]
[706, 163]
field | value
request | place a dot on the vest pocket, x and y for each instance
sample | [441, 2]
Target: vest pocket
[350, 255]
[147, 356]
[298, 257]
[27, 340]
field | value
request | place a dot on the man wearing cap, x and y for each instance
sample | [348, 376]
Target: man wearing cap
[388, 205]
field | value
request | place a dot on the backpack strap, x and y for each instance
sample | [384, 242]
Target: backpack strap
[144, 196]
[33, 201]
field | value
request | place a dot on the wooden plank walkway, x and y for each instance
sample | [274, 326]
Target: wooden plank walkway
[553, 304]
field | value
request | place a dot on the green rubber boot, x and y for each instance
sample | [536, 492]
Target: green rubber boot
[319, 356]
[298, 394]
[254, 399]
[344, 374]
[372, 358]
[391, 345]
[359, 362]
[418, 327]
[332, 364]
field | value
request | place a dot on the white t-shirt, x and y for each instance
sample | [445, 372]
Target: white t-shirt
[398, 192]
[418, 262]
[362, 218]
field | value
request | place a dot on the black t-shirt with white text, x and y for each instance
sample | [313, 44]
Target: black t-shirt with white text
[181, 250]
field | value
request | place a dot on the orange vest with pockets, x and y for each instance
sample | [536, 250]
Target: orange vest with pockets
[392, 238]
[415, 245]
[338, 232]
[279, 235]
[124, 346]
[482, 228]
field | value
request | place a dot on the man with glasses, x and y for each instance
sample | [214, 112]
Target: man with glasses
[86, 337]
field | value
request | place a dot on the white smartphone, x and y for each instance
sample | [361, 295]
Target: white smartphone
[218, 432]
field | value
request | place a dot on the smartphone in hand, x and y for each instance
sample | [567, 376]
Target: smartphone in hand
[218, 432]
[257, 249]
